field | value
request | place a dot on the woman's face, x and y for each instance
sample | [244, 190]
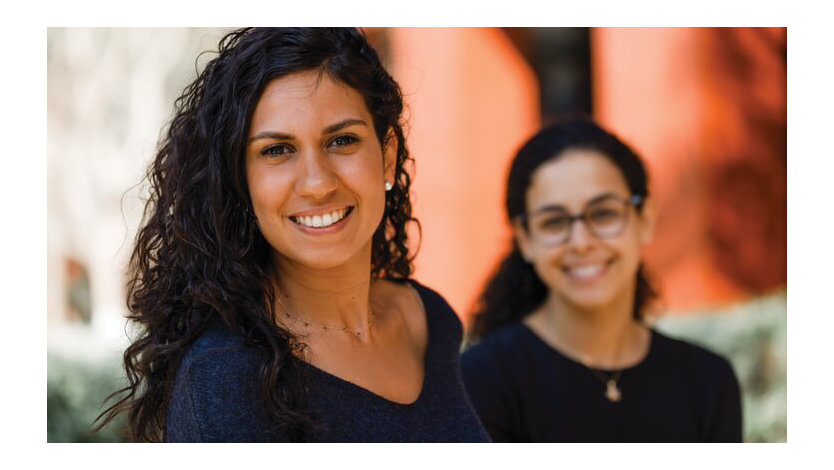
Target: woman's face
[584, 272]
[316, 171]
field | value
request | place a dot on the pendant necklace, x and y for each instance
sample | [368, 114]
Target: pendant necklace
[609, 379]
[612, 391]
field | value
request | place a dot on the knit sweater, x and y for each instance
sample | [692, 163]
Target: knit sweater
[215, 397]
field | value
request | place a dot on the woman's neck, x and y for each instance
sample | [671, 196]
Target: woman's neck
[324, 298]
[607, 337]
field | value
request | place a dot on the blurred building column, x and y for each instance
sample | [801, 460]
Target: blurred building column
[705, 107]
[471, 102]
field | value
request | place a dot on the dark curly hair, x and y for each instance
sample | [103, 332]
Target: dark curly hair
[515, 290]
[199, 256]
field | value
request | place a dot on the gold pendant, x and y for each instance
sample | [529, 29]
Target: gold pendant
[612, 393]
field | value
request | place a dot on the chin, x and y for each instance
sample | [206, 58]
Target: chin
[596, 299]
[321, 262]
[590, 304]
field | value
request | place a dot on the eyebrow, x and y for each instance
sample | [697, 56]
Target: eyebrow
[327, 130]
[559, 207]
[341, 125]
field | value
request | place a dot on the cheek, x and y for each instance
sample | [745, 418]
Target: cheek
[628, 260]
[266, 191]
[546, 264]
[365, 170]
[631, 247]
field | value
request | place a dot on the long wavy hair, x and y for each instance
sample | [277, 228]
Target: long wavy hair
[199, 256]
[514, 290]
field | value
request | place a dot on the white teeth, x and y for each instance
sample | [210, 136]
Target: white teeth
[585, 272]
[322, 220]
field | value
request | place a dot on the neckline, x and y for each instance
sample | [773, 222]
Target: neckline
[426, 359]
[638, 364]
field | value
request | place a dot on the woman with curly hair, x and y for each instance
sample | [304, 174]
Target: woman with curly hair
[564, 355]
[270, 279]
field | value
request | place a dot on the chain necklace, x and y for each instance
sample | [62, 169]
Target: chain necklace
[345, 329]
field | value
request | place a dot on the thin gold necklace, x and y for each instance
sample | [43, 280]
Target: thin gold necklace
[343, 328]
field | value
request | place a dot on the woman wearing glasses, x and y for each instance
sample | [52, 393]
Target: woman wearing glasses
[564, 355]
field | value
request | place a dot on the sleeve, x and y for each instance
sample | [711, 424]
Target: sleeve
[485, 388]
[725, 417]
[215, 399]
[181, 421]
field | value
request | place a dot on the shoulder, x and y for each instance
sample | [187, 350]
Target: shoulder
[432, 300]
[218, 354]
[708, 366]
[492, 354]
[437, 310]
[215, 394]
[712, 380]
[501, 342]
[494, 375]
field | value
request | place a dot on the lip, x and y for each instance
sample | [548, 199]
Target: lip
[319, 211]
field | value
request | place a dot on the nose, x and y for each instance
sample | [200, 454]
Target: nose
[580, 237]
[317, 179]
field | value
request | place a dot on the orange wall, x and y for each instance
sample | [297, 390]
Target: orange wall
[472, 100]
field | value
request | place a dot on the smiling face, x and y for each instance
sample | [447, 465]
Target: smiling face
[585, 272]
[316, 171]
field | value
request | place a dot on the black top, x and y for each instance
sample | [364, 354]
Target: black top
[526, 391]
[215, 397]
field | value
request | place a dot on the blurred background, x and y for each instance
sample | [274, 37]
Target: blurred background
[704, 107]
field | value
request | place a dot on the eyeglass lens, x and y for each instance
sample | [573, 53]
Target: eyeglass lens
[603, 219]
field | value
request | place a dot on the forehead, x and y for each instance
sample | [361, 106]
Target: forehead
[573, 179]
[307, 99]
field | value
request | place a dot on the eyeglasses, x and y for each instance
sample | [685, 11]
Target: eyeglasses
[603, 218]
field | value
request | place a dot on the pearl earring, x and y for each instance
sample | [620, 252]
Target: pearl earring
[388, 186]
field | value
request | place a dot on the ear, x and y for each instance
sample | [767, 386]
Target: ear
[389, 156]
[523, 240]
[648, 219]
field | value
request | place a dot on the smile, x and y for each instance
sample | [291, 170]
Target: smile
[321, 220]
[586, 272]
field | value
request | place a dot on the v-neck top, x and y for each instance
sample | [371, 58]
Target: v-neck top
[524, 390]
[215, 397]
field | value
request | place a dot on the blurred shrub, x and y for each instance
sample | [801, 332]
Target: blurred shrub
[76, 385]
[753, 337]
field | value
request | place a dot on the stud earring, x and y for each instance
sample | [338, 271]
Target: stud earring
[388, 186]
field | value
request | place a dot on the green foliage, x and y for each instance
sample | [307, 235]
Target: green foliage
[75, 390]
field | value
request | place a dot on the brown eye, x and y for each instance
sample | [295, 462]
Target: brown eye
[276, 150]
[343, 141]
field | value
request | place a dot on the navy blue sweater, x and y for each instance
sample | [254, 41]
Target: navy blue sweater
[216, 399]
[526, 391]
